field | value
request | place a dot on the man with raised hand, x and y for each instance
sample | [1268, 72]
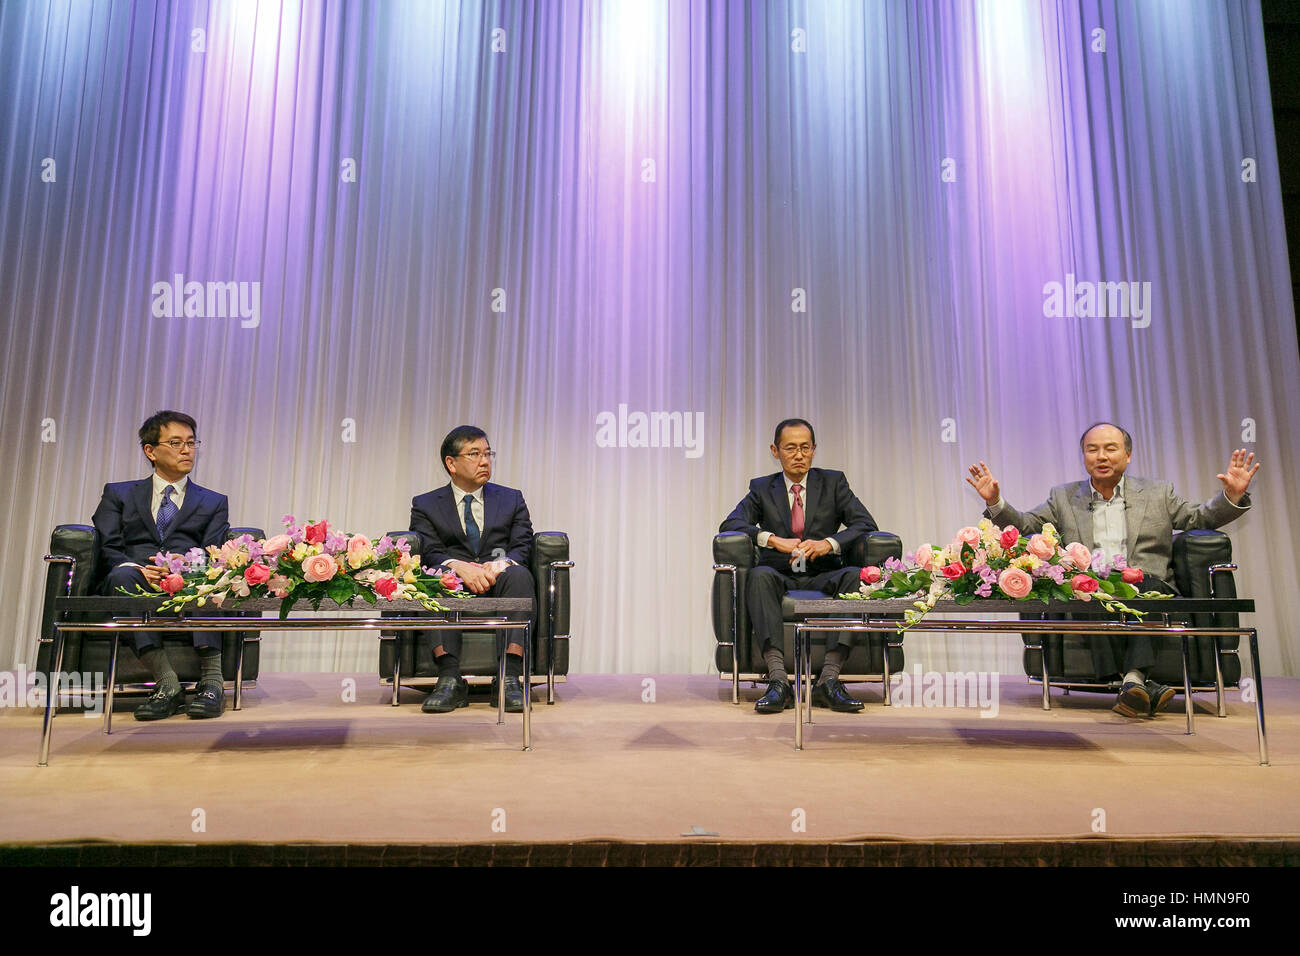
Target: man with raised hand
[482, 532]
[1127, 516]
[801, 519]
[166, 512]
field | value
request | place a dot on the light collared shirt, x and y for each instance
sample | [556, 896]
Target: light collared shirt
[178, 493]
[763, 536]
[1109, 521]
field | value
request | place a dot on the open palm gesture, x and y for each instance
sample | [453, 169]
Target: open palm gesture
[1239, 474]
[982, 480]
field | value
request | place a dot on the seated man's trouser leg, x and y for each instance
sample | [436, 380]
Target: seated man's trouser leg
[142, 641]
[767, 586]
[1119, 655]
[515, 581]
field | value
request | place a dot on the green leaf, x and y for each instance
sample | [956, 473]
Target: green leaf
[1106, 586]
[367, 595]
[286, 605]
[1062, 592]
[964, 599]
[340, 589]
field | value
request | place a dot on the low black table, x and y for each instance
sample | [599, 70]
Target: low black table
[142, 614]
[842, 615]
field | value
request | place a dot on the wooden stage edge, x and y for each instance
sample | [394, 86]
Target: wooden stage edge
[1103, 851]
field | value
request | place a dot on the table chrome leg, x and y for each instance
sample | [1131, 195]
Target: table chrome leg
[528, 688]
[1221, 698]
[397, 667]
[1259, 698]
[239, 673]
[501, 675]
[1190, 705]
[51, 693]
[884, 660]
[1042, 660]
[112, 680]
[798, 686]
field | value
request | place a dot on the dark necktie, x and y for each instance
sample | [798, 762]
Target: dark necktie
[796, 513]
[166, 512]
[471, 527]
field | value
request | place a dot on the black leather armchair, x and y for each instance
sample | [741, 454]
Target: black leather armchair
[70, 572]
[734, 554]
[550, 566]
[1202, 568]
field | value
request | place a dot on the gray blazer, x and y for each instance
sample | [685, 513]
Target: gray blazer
[1152, 512]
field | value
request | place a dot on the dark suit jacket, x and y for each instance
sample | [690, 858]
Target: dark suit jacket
[506, 525]
[127, 531]
[1152, 512]
[828, 504]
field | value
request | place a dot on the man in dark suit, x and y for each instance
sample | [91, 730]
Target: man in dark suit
[1129, 516]
[795, 517]
[482, 532]
[165, 512]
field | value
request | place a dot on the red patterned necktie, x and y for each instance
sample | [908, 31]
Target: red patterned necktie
[796, 512]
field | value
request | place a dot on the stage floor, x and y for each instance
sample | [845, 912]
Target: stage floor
[300, 764]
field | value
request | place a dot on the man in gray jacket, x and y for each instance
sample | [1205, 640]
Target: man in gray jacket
[1133, 517]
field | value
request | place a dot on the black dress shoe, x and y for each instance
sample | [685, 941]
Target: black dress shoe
[448, 694]
[209, 700]
[1133, 700]
[831, 693]
[1160, 694]
[779, 696]
[514, 695]
[161, 704]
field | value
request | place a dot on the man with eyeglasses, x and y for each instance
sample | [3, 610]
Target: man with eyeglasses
[166, 512]
[482, 532]
[795, 518]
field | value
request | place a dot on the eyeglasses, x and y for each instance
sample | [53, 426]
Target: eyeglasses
[791, 449]
[479, 455]
[176, 444]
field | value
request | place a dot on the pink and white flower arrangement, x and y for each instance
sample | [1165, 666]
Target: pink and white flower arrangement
[310, 562]
[986, 562]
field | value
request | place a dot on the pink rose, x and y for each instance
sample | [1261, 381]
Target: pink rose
[172, 583]
[969, 535]
[358, 542]
[1015, 583]
[276, 543]
[1041, 547]
[256, 574]
[1083, 583]
[953, 571]
[1132, 575]
[385, 587]
[925, 557]
[1010, 535]
[869, 575]
[450, 581]
[315, 534]
[1079, 555]
[319, 567]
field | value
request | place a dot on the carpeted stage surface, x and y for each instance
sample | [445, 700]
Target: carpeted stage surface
[300, 765]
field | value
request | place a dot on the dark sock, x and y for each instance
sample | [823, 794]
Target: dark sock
[514, 665]
[831, 666]
[448, 665]
[775, 661]
[164, 676]
[210, 664]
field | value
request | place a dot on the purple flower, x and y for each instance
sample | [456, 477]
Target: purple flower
[1100, 565]
[176, 564]
[1056, 573]
[909, 558]
[384, 545]
[288, 521]
[984, 590]
[196, 557]
[1119, 563]
[892, 564]
[336, 541]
